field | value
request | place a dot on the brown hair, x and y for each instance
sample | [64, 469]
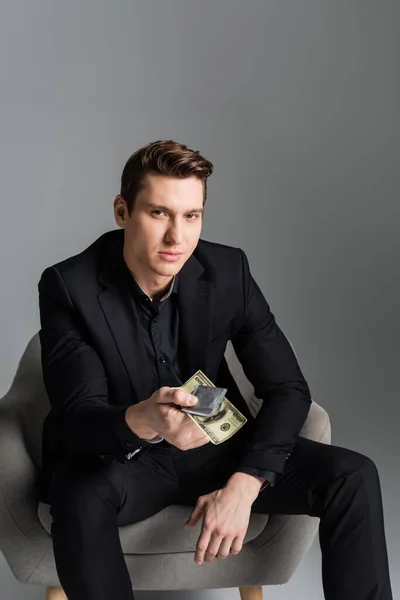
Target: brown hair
[164, 157]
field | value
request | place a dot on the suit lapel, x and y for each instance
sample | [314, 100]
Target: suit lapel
[195, 304]
[123, 320]
[122, 317]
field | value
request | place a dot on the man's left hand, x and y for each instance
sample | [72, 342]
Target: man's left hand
[226, 519]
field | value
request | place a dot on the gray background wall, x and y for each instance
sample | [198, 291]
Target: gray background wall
[296, 103]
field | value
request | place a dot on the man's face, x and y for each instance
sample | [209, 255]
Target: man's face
[166, 218]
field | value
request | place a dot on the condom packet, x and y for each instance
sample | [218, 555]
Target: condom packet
[210, 399]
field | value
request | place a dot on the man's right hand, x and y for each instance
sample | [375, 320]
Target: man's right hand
[161, 414]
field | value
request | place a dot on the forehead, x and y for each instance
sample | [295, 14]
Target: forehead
[167, 188]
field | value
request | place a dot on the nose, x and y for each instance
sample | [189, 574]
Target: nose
[175, 233]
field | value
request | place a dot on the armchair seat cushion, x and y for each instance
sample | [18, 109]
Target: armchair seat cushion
[163, 532]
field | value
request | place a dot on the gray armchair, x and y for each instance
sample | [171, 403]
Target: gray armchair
[159, 553]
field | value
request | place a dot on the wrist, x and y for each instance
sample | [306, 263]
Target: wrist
[137, 420]
[249, 485]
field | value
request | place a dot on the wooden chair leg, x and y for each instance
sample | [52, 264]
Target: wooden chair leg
[55, 593]
[253, 592]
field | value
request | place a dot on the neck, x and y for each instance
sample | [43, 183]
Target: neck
[155, 286]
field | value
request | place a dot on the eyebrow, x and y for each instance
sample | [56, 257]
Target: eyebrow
[167, 210]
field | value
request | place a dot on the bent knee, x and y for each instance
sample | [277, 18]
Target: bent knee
[350, 462]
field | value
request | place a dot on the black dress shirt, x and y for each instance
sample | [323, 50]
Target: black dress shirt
[159, 322]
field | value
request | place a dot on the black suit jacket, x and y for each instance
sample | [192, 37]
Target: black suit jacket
[94, 366]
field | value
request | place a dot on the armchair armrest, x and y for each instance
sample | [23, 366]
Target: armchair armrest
[23, 540]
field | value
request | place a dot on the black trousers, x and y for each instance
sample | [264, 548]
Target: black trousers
[91, 498]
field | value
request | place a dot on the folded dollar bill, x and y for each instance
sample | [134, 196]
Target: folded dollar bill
[221, 424]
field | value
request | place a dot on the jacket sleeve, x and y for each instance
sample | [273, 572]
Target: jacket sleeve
[270, 365]
[75, 379]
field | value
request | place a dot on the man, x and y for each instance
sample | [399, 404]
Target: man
[138, 313]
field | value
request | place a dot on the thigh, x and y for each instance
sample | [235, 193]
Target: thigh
[308, 476]
[150, 484]
[133, 490]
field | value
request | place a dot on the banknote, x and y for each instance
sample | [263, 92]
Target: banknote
[222, 425]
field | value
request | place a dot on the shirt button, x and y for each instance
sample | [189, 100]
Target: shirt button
[162, 360]
[155, 319]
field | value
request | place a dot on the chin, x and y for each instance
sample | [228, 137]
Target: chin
[170, 271]
[166, 270]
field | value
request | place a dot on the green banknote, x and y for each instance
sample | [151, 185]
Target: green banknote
[222, 425]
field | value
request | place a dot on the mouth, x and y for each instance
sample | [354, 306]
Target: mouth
[170, 256]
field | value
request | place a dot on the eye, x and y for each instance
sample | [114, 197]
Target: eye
[157, 210]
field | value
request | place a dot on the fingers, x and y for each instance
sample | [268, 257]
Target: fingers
[196, 513]
[197, 435]
[175, 396]
[175, 425]
[183, 433]
[237, 545]
[205, 546]
[196, 442]
[202, 546]
[183, 398]
[225, 548]
[211, 546]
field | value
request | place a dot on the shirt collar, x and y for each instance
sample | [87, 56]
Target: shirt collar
[140, 293]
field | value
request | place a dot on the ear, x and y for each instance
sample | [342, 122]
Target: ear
[120, 210]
